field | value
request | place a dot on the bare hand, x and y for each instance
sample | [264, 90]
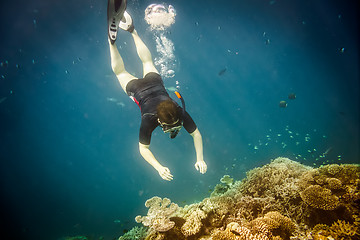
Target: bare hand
[201, 166]
[164, 172]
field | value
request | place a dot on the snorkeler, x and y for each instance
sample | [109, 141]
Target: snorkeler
[149, 93]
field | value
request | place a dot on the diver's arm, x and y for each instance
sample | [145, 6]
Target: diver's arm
[145, 152]
[200, 164]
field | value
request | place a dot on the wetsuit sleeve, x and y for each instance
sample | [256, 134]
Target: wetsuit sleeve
[146, 128]
[189, 123]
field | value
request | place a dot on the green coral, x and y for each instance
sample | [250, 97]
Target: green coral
[226, 179]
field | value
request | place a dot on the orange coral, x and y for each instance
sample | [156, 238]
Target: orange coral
[319, 197]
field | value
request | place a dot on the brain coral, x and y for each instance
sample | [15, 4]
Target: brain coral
[319, 197]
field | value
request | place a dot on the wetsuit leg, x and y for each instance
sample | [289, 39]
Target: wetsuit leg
[118, 67]
[144, 54]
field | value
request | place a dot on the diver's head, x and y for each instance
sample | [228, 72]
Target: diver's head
[169, 117]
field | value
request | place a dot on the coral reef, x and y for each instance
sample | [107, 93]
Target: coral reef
[281, 200]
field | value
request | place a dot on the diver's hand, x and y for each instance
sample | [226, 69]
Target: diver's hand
[201, 166]
[164, 172]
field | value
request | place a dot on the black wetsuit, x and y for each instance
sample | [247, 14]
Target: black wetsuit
[148, 92]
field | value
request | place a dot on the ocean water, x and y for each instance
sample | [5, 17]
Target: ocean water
[69, 135]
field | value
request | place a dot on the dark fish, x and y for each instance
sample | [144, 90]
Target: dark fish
[283, 104]
[292, 96]
[327, 151]
[222, 72]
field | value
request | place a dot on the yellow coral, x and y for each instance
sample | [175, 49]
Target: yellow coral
[193, 223]
[320, 232]
[275, 224]
[234, 231]
[286, 225]
[333, 169]
[343, 230]
[333, 183]
[319, 197]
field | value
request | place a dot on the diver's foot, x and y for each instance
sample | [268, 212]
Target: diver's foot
[126, 23]
[115, 12]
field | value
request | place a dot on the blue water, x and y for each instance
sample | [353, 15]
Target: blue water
[69, 156]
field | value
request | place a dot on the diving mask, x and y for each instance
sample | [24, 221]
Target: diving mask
[173, 129]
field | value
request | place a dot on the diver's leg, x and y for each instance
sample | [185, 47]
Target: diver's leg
[144, 54]
[118, 67]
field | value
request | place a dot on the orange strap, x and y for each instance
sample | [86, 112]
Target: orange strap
[178, 94]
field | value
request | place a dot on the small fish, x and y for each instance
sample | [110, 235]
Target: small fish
[120, 104]
[292, 96]
[110, 99]
[222, 72]
[283, 104]
[2, 99]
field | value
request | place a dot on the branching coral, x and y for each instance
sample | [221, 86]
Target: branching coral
[262, 182]
[250, 208]
[343, 230]
[158, 214]
[338, 230]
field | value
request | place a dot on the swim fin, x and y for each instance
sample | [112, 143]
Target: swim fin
[115, 12]
[126, 23]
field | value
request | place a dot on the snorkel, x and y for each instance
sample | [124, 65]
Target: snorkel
[182, 102]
